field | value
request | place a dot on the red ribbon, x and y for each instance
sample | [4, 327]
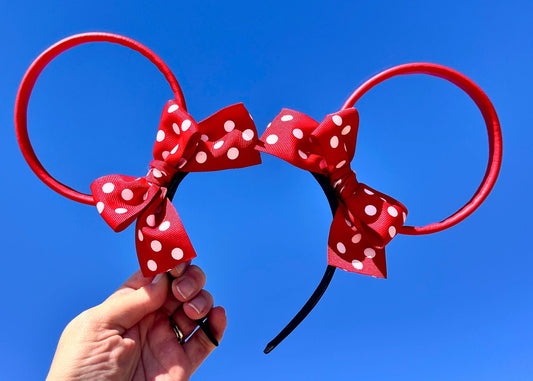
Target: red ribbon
[224, 140]
[366, 220]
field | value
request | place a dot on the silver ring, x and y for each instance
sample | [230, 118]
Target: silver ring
[177, 331]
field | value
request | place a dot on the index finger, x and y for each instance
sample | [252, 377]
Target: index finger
[137, 280]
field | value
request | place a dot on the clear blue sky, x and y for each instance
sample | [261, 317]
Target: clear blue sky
[457, 304]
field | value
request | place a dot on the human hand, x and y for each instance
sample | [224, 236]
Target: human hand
[128, 336]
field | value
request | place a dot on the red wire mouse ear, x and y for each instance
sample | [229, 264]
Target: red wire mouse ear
[491, 121]
[26, 86]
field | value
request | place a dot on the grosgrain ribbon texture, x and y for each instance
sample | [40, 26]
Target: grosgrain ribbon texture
[366, 220]
[224, 140]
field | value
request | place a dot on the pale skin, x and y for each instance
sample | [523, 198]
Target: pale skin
[128, 336]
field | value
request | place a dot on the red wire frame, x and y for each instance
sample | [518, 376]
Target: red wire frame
[491, 121]
[28, 82]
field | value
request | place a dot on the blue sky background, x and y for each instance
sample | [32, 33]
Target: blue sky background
[457, 304]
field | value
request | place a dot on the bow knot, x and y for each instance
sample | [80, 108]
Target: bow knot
[222, 141]
[344, 182]
[161, 173]
[366, 220]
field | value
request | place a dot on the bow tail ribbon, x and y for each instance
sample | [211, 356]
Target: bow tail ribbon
[364, 223]
[161, 240]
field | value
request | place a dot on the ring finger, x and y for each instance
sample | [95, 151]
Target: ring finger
[197, 308]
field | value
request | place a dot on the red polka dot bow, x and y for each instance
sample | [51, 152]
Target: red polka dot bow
[366, 220]
[224, 140]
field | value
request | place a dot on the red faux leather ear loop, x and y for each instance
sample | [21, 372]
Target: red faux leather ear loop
[28, 82]
[376, 218]
[491, 121]
[21, 106]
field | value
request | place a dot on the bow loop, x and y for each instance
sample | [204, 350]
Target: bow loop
[120, 199]
[225, 140]
[290, 137]
[337, 136]
[177, 136]
[317, 147]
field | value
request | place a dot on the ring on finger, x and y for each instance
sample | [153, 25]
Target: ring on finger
[177, 331]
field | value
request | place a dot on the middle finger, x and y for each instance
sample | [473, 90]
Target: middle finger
[186, 317]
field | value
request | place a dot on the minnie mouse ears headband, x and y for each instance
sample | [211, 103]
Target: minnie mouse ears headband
[364, 219]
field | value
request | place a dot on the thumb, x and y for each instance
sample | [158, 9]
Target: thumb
[123, 310]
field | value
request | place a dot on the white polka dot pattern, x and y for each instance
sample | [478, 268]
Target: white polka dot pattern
[156, 246]
[164, 226]
[369, 252]
[248, 135]
[356, 243]
[346, 130]
[100, 206]
[370, 210]
[229, 125]
[358, 265]
[298, 134]
[177, 253]
[233, 153]
[185, 125]
[224, 140]
[201, 157]
[108, 187]
[272, 139]
[150, 220]
[286, 118]
[152, 265]
[127, 194]
[176, 128]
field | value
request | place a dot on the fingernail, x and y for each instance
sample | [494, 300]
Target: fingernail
[157, 278]
[186, 288]
[181, 268]
[198, 304]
